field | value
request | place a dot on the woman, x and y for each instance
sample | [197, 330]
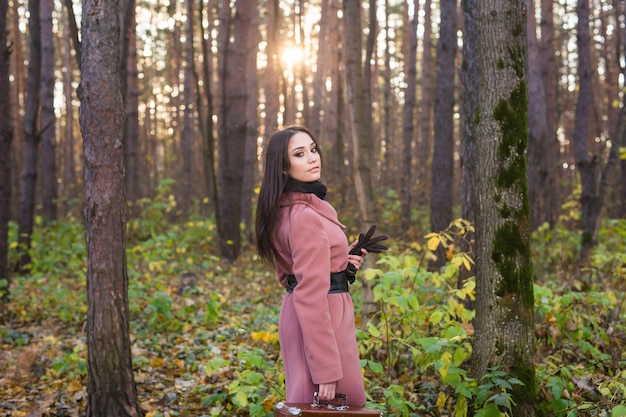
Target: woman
[299, 233]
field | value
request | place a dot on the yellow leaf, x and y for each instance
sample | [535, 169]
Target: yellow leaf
[74, 386]
[441, 401]
[268, 403]
[433, 243]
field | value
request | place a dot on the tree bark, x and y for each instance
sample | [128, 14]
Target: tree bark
[360, 117]
[31, 139]
[48, 118]
[408, 125]
[232, 140]
[425, 143]
[110, 387]
[538, 133]
[504, 322]
[6, 137]
[443, 156]
[549, 73]
[134, 161]
[469, 80]
[588, 165]
[69, 186]
[188, 137]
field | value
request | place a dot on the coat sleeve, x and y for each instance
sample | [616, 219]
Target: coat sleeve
[310, 247]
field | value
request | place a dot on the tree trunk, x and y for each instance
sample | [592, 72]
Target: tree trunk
[408, 124]
[588, 165]
[69, 185]
[134, 162]
[232, 140]
[187, 137]
[538, 133]
[360, 117]
[272, 71]
[504, 322]
[425, 143]
[31, 139]
[16, 95]
[110, 386]
[443, 156]
[208, 139]
[469, 79]
[48, 118]
[252, 125]
[547, 61]
[6, 137]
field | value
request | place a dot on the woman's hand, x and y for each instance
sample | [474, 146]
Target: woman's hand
[356, 260]
[326, 392]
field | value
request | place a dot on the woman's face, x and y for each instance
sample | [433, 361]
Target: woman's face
[305, 163]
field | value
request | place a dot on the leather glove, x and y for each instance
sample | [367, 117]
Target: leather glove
[370, 243]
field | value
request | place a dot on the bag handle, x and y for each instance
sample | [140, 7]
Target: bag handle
[342, 399]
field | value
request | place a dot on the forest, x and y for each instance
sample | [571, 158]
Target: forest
[486, 138]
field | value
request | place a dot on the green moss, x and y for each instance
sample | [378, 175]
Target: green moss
[526, 393]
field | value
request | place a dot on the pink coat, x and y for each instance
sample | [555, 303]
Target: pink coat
[316, 329]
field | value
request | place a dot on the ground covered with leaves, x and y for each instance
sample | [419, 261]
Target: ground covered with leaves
[204, 332]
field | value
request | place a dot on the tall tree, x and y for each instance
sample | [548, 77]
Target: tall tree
[31, 138]
[504, 283]
[443, 155]
[425, 145]
[48, 117]
[232, 130]
[408, 120]
[549, 193]
[593, 175]
[6, 137]
[469, 79]
[538, 134]
[110, 386]
[360, 114]
[188, 134]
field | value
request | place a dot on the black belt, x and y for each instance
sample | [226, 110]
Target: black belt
[338, 282]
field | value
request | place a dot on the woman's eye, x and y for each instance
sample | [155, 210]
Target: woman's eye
[299, 154]
[314, 150]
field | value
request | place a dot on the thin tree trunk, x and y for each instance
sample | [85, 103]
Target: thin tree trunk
[408, 123]
[6, 137]
[443, 157]
[359, 112]
[69, 185]
[425, 143]
[208, 141]
[31, 139]
[134, 161]
[48, 118]
[271, 76]
[17, 118]
[469, 79]
[588, 165]
[549, 73]
[110, 386]
[188, 134]
[250, 157]
[504, 322]
[538, 133]
[232, 140]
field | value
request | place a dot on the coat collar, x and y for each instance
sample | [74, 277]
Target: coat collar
[322, 207]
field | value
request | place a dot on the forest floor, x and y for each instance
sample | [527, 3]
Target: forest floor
[204, 332]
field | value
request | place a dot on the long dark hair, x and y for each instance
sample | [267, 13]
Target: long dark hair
[272, 187]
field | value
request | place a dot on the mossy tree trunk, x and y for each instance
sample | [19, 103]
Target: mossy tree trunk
[110, 386]
[504, 293]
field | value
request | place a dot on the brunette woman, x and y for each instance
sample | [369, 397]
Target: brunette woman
[299, 233]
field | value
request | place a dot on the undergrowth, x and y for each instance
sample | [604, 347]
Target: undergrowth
[205, 339]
